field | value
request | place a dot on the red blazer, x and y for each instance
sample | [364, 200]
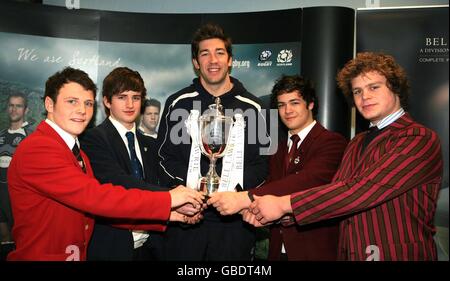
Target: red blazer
[319, 154]
[53, 201]
[387, 195]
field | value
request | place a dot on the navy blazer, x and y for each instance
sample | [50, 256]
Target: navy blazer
[111, 163]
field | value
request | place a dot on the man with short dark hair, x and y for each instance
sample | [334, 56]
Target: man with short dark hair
[120, 154]
[217, 237]
[150, 118]
[54, 195]
[309, 156]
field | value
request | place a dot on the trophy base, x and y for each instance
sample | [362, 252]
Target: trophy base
[208, 186]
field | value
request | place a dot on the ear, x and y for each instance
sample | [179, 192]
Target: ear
[196, 64]
[230, 61]
[311, 106]
[106, 103]
[49, 104]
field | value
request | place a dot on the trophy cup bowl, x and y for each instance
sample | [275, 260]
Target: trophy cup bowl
[213, 139]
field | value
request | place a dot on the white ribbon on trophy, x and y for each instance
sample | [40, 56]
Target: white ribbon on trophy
[194, 174]
[233, 162]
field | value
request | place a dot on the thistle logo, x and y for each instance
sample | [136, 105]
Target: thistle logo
[265, 55]
[284, 56]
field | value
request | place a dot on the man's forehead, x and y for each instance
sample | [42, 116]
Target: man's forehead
[75, 90]
[15, 100]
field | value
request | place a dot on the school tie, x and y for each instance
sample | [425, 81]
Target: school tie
[371, 134]
[289, 219]
[135, 164]
[77, 153]
[294, 149]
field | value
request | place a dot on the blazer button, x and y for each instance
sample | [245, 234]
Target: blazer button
[86, 227]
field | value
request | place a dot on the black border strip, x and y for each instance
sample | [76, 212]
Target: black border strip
[53, 21]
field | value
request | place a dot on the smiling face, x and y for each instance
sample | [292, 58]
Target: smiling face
[372, 97]
[294, 112]
[125, 107]
[73, 108]
[213, 63]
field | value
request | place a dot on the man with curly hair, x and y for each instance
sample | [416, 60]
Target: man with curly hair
[387, 185]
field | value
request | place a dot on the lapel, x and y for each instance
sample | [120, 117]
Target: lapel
[299, 157]
[117, 144]
[144, 148]
[280, 157]
[398, 124]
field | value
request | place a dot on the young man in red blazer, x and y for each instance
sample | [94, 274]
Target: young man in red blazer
[54, 194]
[387, 185]
[308, 156]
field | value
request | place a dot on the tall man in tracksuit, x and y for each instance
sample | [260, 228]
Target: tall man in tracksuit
[216, 238]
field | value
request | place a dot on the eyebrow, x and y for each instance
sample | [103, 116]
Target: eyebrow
[216, 49]
[296, 99]
[77, 98]
[133, 95]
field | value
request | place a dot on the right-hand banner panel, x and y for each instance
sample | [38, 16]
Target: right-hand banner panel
[418, 40]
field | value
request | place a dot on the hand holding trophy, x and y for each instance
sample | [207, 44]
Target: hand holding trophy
[214, 131]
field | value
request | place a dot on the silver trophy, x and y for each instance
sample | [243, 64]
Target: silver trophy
[213, 138]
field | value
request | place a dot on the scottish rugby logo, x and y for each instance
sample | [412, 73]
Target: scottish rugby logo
[284, 56]
[265, 55]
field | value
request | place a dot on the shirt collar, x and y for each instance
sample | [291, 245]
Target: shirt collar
[388, 120]
[68, 138]
[142, 130]
[304, 132]
[121, 128]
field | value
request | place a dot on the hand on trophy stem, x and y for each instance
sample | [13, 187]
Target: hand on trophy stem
[182, 195]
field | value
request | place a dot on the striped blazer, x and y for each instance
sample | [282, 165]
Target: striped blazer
[386, 195]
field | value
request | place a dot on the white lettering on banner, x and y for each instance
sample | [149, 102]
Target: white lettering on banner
[27, 54]
[241, 63]
[74, 252]
[94, 60]
[32, 54]
[435, 41]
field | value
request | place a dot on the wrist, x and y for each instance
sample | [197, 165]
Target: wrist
[247, 199]
[286, 204]
[250, 197]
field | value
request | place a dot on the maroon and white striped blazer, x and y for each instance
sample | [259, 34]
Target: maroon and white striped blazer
[386, 195]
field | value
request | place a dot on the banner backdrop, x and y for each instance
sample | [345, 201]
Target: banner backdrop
[418, 39]
[156, 45]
